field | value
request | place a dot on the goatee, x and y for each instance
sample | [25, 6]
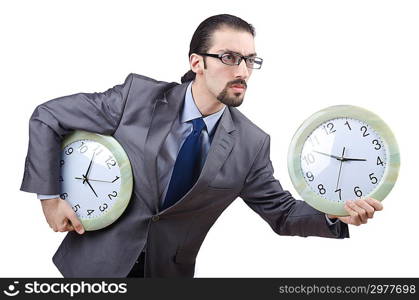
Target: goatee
[232, 100]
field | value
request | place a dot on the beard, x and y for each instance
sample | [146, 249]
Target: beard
[234, 99]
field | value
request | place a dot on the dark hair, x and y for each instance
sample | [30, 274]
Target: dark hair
[201, 39]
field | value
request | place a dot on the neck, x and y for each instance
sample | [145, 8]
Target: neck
[205, 101]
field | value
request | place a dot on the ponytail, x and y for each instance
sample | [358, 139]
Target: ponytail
[189, 76]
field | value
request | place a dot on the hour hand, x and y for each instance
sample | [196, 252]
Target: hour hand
[354, 159]
[90, 165]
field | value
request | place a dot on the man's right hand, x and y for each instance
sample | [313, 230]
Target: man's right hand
[60, 216]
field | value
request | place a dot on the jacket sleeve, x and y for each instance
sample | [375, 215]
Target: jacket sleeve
[286, 215]
[52, 120]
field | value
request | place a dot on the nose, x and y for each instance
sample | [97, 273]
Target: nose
[242, 71]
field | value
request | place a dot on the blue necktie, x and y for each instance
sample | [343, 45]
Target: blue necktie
[187, 166]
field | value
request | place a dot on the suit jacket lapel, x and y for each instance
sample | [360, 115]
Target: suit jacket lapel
[164, 114]
[221, 146]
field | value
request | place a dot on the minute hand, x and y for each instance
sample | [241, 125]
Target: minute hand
[87, 181]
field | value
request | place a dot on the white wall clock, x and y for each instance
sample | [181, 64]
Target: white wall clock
[343, 153]
[96, 178]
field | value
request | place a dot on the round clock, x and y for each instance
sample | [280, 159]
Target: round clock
[343, 153]
[96, 178]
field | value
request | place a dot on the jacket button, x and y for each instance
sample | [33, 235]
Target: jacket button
[155, 218]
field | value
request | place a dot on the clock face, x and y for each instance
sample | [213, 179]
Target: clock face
[343, 159]
[90, 178]
[341, 153]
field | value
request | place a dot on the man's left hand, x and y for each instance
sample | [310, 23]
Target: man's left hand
[359, 211]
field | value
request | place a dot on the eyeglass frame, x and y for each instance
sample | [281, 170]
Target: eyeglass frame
[241, 57]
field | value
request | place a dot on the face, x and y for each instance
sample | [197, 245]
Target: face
[228, 83]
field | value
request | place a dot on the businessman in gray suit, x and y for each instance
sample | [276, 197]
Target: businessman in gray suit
[192, 154]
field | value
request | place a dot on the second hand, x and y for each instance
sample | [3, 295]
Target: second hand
[99, 180]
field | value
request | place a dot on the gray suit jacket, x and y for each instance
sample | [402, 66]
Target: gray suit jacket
[139, 114]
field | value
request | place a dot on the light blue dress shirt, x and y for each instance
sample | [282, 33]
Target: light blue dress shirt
[181, 128]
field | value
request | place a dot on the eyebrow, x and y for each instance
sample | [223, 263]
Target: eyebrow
[228, 50]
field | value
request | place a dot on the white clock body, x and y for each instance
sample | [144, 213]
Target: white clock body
[96, 178]
[343, 153]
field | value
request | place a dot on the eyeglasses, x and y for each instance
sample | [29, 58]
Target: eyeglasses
[233, 59]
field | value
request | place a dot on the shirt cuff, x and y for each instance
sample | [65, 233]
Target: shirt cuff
[45, 197]
[330, 221]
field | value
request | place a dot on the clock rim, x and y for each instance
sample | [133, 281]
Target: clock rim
[333, 112]
[126, 186]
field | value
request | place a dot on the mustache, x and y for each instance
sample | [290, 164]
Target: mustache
[237, 81]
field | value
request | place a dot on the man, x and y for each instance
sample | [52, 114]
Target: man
[192, 154]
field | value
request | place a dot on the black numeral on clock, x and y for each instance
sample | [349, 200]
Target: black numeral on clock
[114, 194]
[321, 188]
[377, 144]
[110, 162]
[364, 134]
[328, 128]
[373, 179]
[310, 176]
[357, 191]
[76, 207]
[340, 193]
[68, 151]
[64, 196]
[349, 126]
[104, 207]
[90, 211]
[379, 161]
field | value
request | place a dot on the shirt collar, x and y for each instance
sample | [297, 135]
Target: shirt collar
[190, 112]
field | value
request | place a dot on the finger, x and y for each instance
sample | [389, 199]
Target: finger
[362, 213]
[368, 208]
[69, 226]
[355, 220]
[64, 226]
[54, 226]
[345, 219]
[75, 222]
[375, 203]
[331, 216]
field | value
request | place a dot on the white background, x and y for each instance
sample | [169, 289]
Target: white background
[316, 54]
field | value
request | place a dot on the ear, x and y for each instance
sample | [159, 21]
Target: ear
[197, 63]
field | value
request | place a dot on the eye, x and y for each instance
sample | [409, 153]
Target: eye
[229, 58]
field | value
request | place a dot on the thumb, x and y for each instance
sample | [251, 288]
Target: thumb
[75, 222]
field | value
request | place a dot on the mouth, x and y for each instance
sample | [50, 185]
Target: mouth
[238, 88]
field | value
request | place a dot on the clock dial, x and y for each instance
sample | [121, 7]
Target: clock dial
[342, 153]
[90, 178]
[343, 159]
